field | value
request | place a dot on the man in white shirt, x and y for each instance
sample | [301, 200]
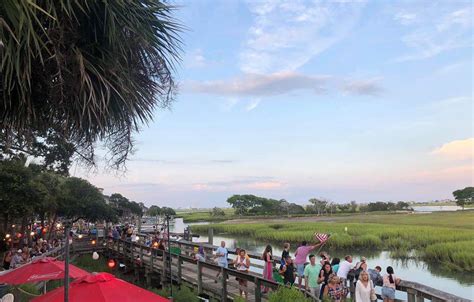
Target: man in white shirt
[344, 268]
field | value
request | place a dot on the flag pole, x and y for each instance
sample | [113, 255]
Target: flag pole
[67, 227]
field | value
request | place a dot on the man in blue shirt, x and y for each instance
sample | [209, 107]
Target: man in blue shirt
[221, 254]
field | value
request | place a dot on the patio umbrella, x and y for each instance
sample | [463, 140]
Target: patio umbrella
[40, 270]
[101, 287]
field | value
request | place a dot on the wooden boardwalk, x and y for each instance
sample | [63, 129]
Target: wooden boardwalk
[202, 275]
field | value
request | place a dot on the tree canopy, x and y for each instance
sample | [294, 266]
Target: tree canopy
[78, 73]
[464, 196]
[28, 193]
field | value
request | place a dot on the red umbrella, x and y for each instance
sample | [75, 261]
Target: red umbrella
[101, 287]
[40, 270]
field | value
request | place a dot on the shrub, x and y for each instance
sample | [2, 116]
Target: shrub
[284, 294]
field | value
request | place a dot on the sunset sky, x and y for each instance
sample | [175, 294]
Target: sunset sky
[346, 100]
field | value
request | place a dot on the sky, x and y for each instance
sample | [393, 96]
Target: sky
[344, 100]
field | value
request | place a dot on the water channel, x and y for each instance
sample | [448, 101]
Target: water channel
[431, 274]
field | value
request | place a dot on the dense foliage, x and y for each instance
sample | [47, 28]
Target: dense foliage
[75, 73]
[254, 205]
[464, 197]
[157, 211]
[29, 193]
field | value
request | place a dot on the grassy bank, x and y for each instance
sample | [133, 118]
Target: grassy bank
[443, 237]
[199, 216]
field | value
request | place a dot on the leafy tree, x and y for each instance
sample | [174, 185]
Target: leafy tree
[85, 71]
[242, 203]
[353, 206]
[81, 200]
[319, 204]
[402, 205]
[168, 211]
[464, 196]
[154, 211]
[125, 207]
[16, 191]
[285, 205]
[217, 212]
[294, 208]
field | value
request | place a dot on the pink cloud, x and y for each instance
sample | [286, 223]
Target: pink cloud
[266, 185]
[457, 150]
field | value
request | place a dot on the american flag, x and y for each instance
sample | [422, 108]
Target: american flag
[321, 237]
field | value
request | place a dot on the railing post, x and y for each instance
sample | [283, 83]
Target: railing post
[152, 256]
[224, 284]
[210, 236]
[419, 298]
[258, 290]
[199, 277]
[411, 295]
[179, 269]
[141, 252]
[163, 273]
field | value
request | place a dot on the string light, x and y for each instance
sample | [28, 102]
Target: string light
[80, 236]
[32, 233]
[111, 263]
[7, 236]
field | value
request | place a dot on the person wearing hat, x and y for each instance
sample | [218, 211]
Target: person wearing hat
[17, 259]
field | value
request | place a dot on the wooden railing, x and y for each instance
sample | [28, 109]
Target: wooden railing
[202, 275]
[416, 292]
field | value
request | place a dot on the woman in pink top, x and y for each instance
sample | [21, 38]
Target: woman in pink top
[390, 283]
[268, 268]
[300, 258]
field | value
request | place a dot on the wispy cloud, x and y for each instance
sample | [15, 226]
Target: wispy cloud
[261, 85]
[435, 34]
[185, 161]
[197, 59]
[287, 34]
[457, 150]
[253, 104]
[363, 87]
[405, 18]
[240, 184]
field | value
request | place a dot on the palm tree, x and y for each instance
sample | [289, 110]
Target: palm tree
[86, 72]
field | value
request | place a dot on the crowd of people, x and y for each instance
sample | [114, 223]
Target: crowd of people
[24, 252]
[325, 278]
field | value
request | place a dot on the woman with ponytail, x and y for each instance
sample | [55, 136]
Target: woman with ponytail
[390, 283]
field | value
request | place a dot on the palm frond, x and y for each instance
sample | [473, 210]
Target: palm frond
[92, 70]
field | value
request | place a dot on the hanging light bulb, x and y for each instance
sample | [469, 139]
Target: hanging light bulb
[111, 263]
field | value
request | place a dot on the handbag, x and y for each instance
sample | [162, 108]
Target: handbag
[373, 296]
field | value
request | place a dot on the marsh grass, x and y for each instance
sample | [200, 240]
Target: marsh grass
[431, 241]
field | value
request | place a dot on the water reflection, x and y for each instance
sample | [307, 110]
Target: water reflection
[429, 209]
[432, 274]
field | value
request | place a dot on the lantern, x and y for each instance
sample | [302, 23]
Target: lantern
[111, 263]
[32, 233]
[79, 236]
[7, 236]
[93, 242]
[95, 255]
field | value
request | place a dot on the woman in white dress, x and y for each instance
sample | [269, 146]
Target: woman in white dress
[364, 287]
